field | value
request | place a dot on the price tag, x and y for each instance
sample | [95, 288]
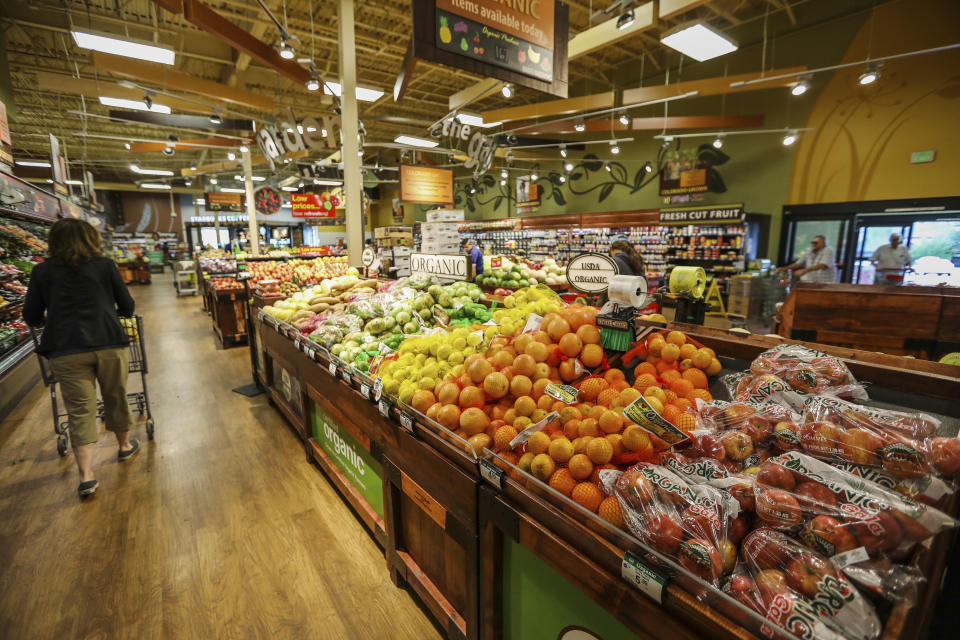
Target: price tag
[377, 388]
[562, 392]
[638, 574]
[296, 343]
[640, 413]
[384, 407]
[365, 391]
[523, 436]
[491, 473]
[332, 368]
[406, 421]
[847, 558]
[346, 376]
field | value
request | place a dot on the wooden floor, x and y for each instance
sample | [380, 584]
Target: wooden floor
[218, 529]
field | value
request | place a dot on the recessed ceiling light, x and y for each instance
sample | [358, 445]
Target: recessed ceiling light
[123, 47]
[137, 105]
[365, 94]
[415, 141]
[698, 41]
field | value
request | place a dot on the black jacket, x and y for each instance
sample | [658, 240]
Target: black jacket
[81, 305]
[624, 265]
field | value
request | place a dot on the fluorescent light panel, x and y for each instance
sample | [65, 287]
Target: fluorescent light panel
[76, 183]
[154, 185]
[416, 142]
[33, 163]
[363, 93]
[699, 42]
[123, 47]
[290, 188]
[138, 105]
[320, 181]
[230, 190]
[150, 172]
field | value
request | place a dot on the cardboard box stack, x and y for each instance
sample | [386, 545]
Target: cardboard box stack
[439, 233]
[394, 245]
[745, 296]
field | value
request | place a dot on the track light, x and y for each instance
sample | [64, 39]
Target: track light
[718, 143]
[314, 82]
[790, 138]
[473, 190]
[568, 166]
[507, 91]
[503, 183]
[625, 20]
[168, 151]
[286, 51]
[147, 100]
[871, 75]
[503, 173]
[231, 155]
[126, 145]
[606, 165]
[580, 126]
[215, 117]
[213, 181]
[647, 168]
[801, 86]
[244, 148]
[624, 118]
[614, 147]
[187, 183]
[563, 151]
[563, 178]
[534, 177]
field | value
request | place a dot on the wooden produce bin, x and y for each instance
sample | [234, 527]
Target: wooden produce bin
[285, 386]
[903, 320]
[432, 541]
[229, 313]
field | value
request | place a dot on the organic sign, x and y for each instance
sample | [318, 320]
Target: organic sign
[444, 266]
[368, 256]
[591, 272]
[516, 35]
[355, 462]
[223, 201]
[717, 214]
[426, 185]
[314, 205]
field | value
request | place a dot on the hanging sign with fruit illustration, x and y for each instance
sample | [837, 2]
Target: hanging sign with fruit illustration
[518, 36]
[315, 205]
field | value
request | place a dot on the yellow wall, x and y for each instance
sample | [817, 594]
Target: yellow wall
[863, 136]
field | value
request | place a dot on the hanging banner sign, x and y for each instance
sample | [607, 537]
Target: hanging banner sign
[441, 265]
[683, 173]
[426, 185]
[513, 35]
[314, 205]
[591, 272]
[57, 168]
[717, 214]
[223, 202]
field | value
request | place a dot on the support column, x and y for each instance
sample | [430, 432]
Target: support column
[252, 227]
[349, 129]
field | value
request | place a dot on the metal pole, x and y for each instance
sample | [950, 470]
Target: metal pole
[349, 129]
[252, 227]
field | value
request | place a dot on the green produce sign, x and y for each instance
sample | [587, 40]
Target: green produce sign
[351, 458]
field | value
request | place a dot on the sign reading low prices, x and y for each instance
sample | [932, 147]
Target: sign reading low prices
[426, 185]
[444, 266]
[717, 214]
[223, 202]
[591, 272]
[313, 205]
[516, 35]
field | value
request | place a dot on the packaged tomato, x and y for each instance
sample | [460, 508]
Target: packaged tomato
[686, 521]
[801, 590]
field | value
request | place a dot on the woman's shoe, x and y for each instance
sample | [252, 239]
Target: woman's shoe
[88, 488]
[129, 453]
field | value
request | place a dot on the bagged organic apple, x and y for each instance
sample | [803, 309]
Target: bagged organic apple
[688, 522]
[808, 371]
[802, 591]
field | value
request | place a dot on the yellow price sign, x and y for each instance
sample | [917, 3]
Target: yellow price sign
[640, 413]
[562, 392]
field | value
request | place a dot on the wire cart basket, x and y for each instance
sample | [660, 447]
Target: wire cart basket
[138, 400]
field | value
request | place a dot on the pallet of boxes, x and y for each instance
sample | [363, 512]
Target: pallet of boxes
[745, 296]
[440, 233]
[394, 245]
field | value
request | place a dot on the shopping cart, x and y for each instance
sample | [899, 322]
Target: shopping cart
[139, 400]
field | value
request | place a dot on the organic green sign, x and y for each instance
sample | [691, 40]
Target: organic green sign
[352, 459]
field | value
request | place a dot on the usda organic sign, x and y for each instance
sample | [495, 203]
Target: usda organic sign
[591, 272]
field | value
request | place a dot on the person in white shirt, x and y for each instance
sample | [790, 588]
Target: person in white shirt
[817, 263]
[890, 259]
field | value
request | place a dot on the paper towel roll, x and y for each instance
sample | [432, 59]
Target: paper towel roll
[692, 280]
[628, 290]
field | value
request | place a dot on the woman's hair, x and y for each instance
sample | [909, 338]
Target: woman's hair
[73, 242]
[634, 258]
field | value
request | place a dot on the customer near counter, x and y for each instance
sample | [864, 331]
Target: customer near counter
[475, 253]
[890, 261]
[629, 262]
[817, 264]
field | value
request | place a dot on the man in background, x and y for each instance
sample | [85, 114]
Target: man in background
[475, 253]
[890, 260]
[817, 264]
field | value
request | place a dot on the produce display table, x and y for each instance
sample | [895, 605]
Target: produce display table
[228, 308]
[495, 553]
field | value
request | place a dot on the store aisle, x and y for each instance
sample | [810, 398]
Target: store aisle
[218, 529]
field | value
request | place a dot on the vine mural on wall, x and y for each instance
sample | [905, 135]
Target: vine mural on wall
[590, 175]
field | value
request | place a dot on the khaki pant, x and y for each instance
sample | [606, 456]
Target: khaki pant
[78, 374]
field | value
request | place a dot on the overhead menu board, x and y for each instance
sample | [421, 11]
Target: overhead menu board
[522, 41]
[224, 202]
[426, 185]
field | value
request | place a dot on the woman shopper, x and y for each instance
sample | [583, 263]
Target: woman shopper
[77, 296]
[629, 262]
